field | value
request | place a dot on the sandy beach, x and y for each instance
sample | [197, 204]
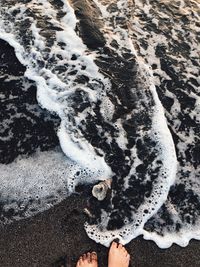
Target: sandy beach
[163, 36]
[57, 237]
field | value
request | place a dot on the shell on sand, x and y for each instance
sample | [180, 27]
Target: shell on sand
[100, 190]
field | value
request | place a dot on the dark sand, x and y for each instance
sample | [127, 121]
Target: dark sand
[58, 233]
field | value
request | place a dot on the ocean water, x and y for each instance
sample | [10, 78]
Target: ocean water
[96, 90]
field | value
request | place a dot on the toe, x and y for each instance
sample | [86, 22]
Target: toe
[88, 257]
[124, 250]
[120, 246]
[80, 261]
[114, 244]
[93, 256]
[84, 257]
[127, 259]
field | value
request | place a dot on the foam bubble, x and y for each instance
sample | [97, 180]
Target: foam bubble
[163, 143]
[35, 183]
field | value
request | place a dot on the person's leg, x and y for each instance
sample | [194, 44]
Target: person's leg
[88, 260]
[118, 256]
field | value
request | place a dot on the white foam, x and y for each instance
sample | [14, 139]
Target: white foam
[52, 99]
[182, 238]
[160, 132]
[83, 153]
[171, 236]
[42, 176]
[185, 69]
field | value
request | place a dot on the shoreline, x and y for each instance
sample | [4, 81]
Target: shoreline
[58, 233]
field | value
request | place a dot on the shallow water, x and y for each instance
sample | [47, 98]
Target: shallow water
[119, 83]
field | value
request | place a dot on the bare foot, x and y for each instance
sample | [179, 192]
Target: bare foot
[118, 256]
[88, 260]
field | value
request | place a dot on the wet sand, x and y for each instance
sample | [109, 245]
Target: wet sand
[57, 236]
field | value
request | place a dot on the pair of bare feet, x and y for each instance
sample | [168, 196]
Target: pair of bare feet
[117, 257]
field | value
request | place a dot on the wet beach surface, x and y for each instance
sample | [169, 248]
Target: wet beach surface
[57, 236]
